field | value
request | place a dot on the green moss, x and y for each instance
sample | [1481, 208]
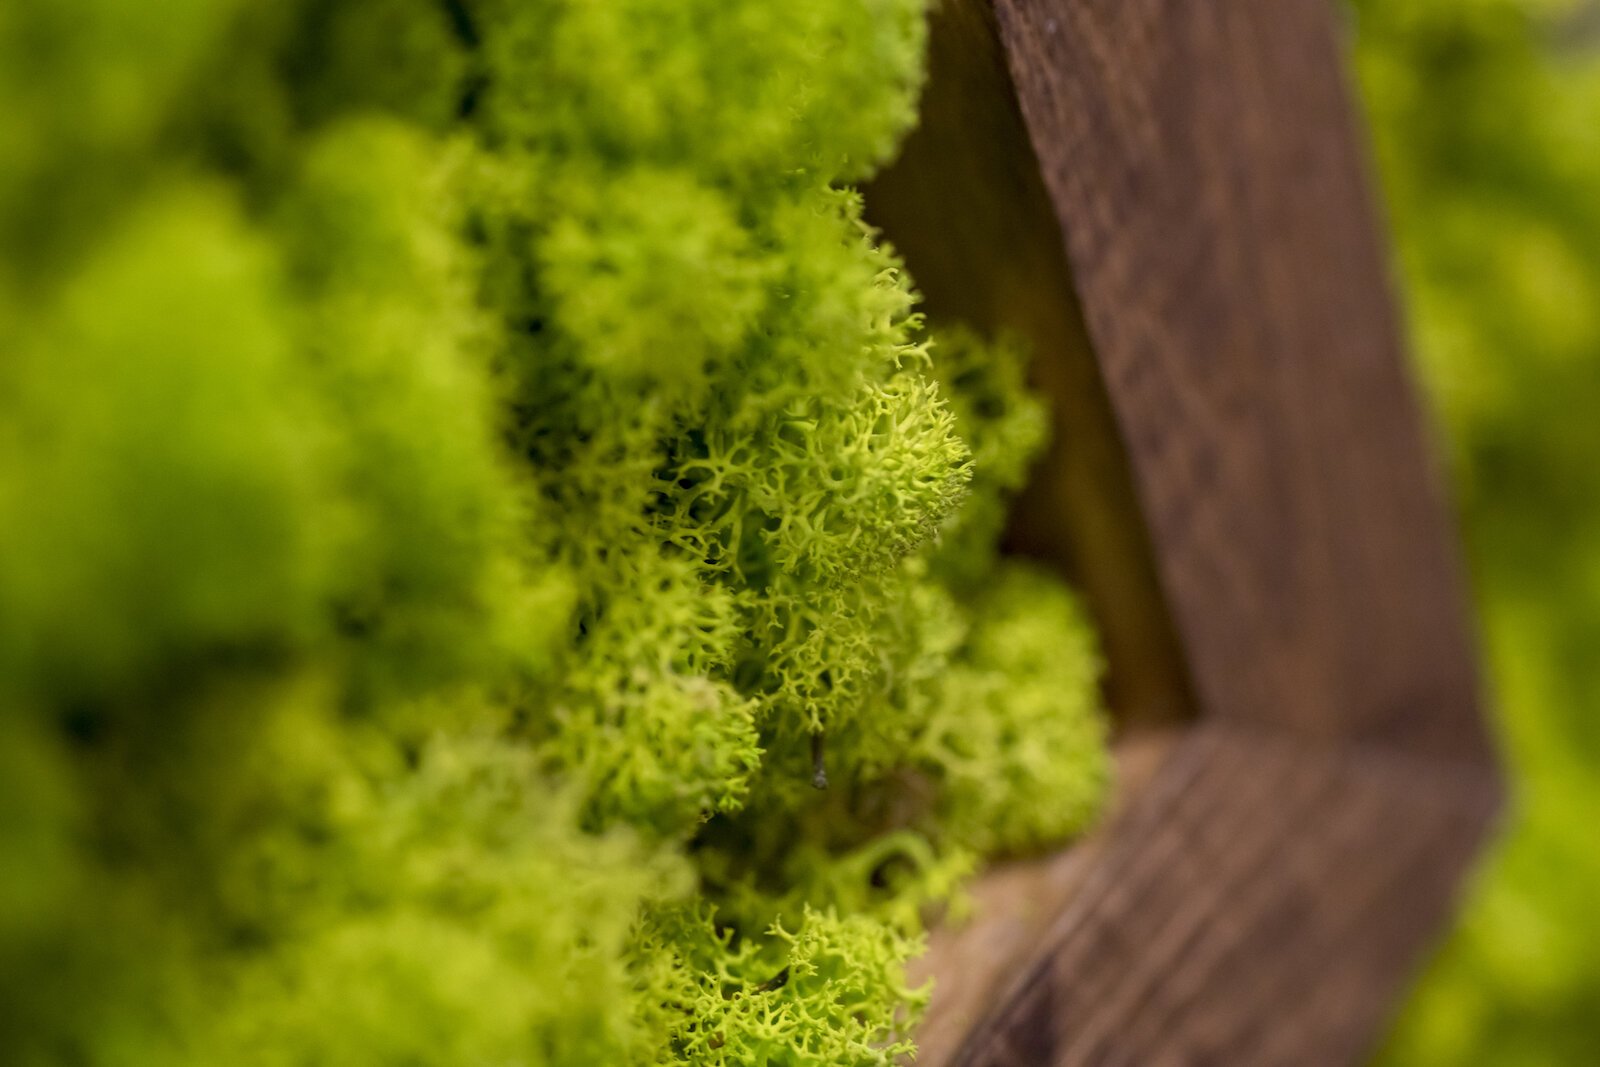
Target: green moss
[468, 471]
[831, 990]
[1486, 116]
[161, 454]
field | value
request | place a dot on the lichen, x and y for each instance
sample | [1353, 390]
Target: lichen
[469, 473]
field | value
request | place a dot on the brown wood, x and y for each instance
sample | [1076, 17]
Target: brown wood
[1181, 223]
[1202, 163]
[967, 208]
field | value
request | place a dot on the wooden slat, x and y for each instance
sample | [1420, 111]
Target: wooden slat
[1260, 904]
[967, 208]
[1243, 485]
[1202, 165]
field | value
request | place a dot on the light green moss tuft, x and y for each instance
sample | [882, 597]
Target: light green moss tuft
[467, 472]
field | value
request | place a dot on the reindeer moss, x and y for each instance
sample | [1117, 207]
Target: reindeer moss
[468, 474]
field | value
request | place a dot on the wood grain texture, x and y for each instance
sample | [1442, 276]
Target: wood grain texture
[1236, 410]
[967, 209]
[1203, 166]
[1259, 904]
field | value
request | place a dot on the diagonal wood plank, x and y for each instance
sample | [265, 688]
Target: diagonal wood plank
[967, 208]
[1204, 171]
[1259, 904]
[1168, 197]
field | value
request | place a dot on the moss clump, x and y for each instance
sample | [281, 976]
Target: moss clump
[468, 471]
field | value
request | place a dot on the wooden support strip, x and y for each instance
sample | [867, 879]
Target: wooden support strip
[967, 209]
[1201, 161]
[1259, 904]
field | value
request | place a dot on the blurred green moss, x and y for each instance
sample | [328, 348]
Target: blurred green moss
[1487, 122]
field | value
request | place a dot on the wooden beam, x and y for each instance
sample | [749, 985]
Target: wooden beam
[1261, 903]
[1015, 907]
[1169, 200]
[1203, 167]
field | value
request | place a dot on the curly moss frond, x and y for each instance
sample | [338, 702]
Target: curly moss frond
[469, 473]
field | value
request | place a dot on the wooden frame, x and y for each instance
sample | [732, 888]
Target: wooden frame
[1167, 198]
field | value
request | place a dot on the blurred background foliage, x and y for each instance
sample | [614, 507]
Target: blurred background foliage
[1486, 116]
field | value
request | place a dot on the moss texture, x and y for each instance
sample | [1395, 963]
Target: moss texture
[468, 474]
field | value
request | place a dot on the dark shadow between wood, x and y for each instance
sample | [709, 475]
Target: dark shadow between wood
[1169, 201]
[965, 206]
